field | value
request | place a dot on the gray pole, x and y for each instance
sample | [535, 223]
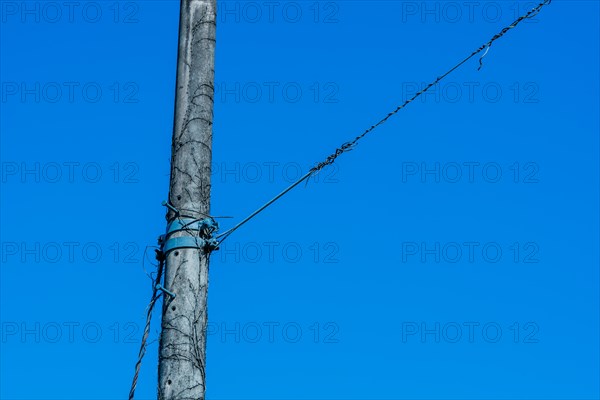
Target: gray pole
[182, 348]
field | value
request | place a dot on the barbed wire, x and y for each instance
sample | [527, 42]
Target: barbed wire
[350, 145]
[155, 296]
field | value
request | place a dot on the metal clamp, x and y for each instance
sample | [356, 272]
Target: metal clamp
[199, 234]
[183, 242]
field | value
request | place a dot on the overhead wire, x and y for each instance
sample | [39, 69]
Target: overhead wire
[347, 146]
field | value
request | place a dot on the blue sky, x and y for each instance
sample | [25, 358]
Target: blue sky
[452, 255]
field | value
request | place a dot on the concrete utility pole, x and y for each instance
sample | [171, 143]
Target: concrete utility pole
[182, 349]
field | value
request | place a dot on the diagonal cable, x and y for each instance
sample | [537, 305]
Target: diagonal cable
[142, 352]
[349, 145]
